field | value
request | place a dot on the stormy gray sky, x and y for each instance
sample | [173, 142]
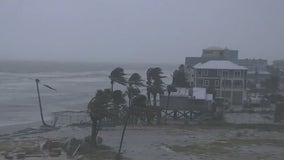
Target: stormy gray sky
[139, 30]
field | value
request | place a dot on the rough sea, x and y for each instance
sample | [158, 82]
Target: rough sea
[75, 84]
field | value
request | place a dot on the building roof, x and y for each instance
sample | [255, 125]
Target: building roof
[259, 72]
[191, 61]
[219, 64]
[214, 48]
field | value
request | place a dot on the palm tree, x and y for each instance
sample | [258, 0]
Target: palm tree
[117, 75]
[138, 101]
[155, 85]
[170, 88]
[99, 108]
[134, 82]
[139, 106]
[119, 103]
[39, 99]
[158, 84]
[149, 84]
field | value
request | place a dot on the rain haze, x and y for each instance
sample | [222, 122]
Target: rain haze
[138, 30]
[142, 79]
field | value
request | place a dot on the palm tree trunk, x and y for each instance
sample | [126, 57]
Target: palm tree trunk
[111, 86]
[149, 97]
[123, 133]
[155, 99]
[94, 132]
[168, 102]
[155, 106]
[39, 101]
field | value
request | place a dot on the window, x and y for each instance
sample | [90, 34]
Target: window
[238, 84]
[219, 73]
[237, 74]
[204, 72]
[217, 83]
[218, 94]
[226, 83]
[198, 73]
[206, 83]
[225, 73]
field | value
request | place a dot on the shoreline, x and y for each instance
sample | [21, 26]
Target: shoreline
[8, 129]
[62, 117]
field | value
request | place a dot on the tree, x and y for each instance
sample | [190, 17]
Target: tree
[170, 88]
[100, 107]
[179, 77]
[39, 99]
[149, 84]
[117, 76]
[119, 103]
[155, 84]
[139, 106]
[134, 82]
[272, 84]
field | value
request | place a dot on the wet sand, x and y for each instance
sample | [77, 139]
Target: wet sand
[176, 142]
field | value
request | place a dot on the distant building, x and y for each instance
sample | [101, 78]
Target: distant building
[257, 68]
[217, 52]
[279, 64]
[225, 78]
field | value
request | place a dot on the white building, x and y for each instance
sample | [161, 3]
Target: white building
[224, 78]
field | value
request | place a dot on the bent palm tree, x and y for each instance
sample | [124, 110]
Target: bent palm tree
[134, 82]
[139, 101]
[117, 75]
[99, 107]
[39, 99]
[158, 84]
[155, 86]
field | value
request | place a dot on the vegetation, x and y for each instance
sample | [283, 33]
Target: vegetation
[117, 76]
[170, 88]
[179, 77]
[104, 105]
[272, 84]
[111, 105]
[155, 84]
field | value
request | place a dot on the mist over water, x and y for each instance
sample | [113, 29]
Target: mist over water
[76, 84]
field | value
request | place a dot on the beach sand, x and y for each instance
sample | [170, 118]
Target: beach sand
[173, 142]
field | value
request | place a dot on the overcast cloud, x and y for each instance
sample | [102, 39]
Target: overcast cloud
[139, 30]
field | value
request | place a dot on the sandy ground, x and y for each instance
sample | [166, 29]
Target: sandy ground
[172, 142]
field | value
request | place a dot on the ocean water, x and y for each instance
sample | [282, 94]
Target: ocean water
[76, 84]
